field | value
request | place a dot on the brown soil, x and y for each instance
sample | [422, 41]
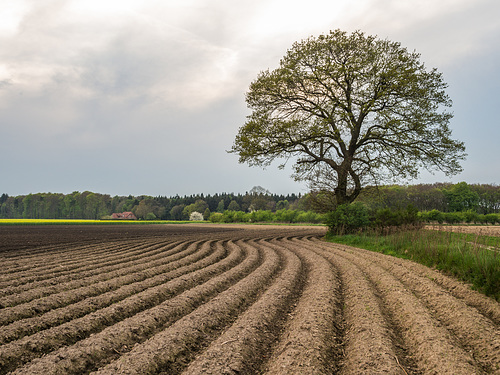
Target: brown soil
[228, 299]
[484, 230]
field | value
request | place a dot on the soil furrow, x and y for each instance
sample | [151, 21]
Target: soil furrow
[74, 257]
[23, 262]
[312, 338]
[198, 260]
[92, 286]
[475, 333]
[109, 343]
[71, 283]
[231, 299]
[62, 271]
[28, 292]
[369, 346]
[433, 348]
[484, 305]
[27, 348]
[171, 349]
[241, 347]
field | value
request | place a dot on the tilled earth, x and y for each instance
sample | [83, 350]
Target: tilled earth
[226, 299]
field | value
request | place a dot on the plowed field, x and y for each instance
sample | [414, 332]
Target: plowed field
[215, 299]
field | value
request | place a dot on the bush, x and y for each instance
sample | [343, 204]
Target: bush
[310, 217]
[435, 215]
[286, 216]
[151, 216]
[386, 217]
[471, 216]
[261, 216]
[215, 217]
[240, 217]
[453, 217]
[348, 218]
[481, 219]
[492, 218]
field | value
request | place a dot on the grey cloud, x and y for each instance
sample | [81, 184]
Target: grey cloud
[157, 100]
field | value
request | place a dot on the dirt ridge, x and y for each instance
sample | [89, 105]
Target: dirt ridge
[229, 299]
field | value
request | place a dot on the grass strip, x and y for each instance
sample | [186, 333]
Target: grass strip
[472, 258]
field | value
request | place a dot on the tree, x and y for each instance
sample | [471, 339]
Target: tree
[233, 206]
[220, 206]
[350, 110]
[196, 216]
[259, 190]
[206, 214]
[461, 197]
[198, 206]
[176, 212]
[144, 208]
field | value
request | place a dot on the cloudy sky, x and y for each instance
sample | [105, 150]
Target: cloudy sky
[145, 97]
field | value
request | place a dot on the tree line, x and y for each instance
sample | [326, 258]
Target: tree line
[444, 197]
[90, 205]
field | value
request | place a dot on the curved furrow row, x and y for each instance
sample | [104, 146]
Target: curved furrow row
[239, 301]
[474, 331]
[482, 304]
[312, 339]
[73, 254]
[435, 350]
[76, 286]
[23, 259]
[61, 270]
[252, 334]
[13, 252]
[181, 296]
[158, 276]
[169, 350]
[21, 351]
[41, 269]
[91, 286]
[370, 345]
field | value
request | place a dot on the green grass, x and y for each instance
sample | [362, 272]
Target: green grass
[88, 222]
[472, 258]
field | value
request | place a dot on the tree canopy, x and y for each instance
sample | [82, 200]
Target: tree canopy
[351, 110]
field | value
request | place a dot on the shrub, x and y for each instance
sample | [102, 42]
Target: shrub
[453, 217]
[435, 215]
[348, 218]
[228, 216]
[261, 216]
[286, 216]
[310, 217]
[470, 216]
[385, 217]
[492, 218]
[481, 219]
[215, 217]
[240, 217]
[151, 216]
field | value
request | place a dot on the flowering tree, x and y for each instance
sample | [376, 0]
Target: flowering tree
[196, 216]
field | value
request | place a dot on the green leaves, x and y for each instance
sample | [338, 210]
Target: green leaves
[364, 107]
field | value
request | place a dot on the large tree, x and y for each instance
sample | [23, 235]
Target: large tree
[350, 109]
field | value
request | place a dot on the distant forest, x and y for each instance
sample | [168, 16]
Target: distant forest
[445, 197]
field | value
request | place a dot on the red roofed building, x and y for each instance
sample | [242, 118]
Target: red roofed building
[124, 216]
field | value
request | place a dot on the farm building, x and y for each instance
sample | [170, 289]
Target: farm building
[124, 216]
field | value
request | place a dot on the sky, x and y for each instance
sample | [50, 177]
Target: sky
[145, 97]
